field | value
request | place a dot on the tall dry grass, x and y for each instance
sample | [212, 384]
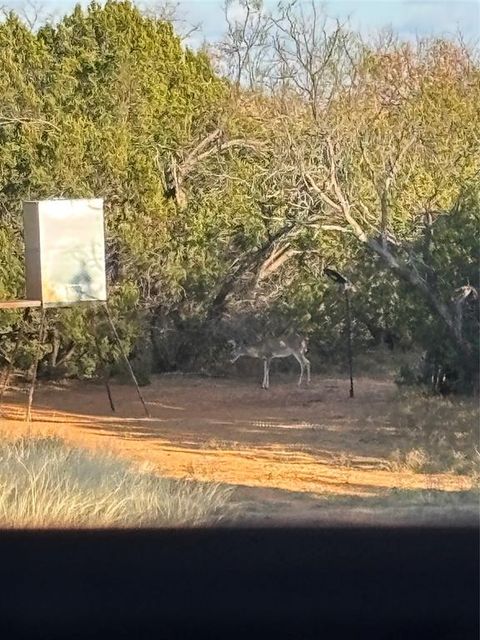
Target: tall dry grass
[46, 483]
[443, 434]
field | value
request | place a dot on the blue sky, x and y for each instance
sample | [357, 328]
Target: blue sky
[408, 17]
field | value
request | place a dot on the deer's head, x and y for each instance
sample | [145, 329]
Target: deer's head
[237, 350]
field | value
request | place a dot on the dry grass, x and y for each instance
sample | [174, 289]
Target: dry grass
[47, 483]
[443, 435]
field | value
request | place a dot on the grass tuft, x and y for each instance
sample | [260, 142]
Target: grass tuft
[443, 435]
[46, 483]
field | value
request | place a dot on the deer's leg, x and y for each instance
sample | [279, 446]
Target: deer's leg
[307, 366]
[298, 358]
[266, 374]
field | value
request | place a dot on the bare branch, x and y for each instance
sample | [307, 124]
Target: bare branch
[6, 120]
[170, 11]
[176, 172]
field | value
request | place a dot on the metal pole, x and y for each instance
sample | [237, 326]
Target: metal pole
[21, 331]
[124, 355]
[41, 339]
[349, 339]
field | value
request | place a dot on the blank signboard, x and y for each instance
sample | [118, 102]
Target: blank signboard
[64, 251]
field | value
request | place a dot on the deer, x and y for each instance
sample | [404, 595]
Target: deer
[270, 348]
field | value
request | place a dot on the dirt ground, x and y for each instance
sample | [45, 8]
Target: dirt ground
[293, 455]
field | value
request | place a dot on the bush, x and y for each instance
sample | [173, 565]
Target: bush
[453, 261]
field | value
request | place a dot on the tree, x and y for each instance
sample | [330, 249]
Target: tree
[380, 141]
[227, 195]
[92, 106]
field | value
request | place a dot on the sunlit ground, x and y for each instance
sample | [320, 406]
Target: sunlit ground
[292, 454]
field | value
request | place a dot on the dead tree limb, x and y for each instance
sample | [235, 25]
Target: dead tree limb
[333, 196]
[178, 170]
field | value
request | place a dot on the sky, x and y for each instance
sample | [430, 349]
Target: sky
[408, 18]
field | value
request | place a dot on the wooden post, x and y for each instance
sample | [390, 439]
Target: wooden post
[125, 358]
[106, 382]
[349, 338]
[21, 331]
[41, 339]
[106, 375]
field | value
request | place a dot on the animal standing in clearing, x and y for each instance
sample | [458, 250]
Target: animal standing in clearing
[271, 348]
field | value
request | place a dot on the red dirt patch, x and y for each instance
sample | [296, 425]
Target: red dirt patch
[312, 440]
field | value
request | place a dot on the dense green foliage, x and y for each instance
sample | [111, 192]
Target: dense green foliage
[452, 254]
[213, 226]
[91, 107]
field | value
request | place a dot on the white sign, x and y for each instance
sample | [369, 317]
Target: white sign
[64, 251]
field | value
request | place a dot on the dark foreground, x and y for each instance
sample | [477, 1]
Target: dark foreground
[243, 583]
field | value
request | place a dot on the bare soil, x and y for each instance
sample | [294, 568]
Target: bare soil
[294, 455]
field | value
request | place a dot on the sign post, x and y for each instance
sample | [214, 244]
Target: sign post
[347, 286]
[64, 266]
